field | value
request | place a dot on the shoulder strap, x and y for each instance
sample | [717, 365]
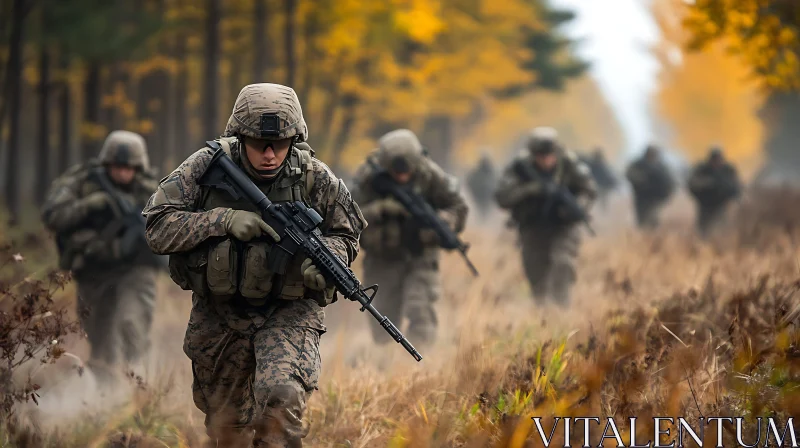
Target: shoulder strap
[306, 159]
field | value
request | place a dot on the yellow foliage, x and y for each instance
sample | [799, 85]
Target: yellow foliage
[708, 96]
[581, 115]
[762, 32]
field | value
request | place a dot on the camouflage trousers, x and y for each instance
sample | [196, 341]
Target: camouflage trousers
[408, 288]
[709, 218]
[116, 312]
[646, 213]
[252, 386]
[549, 256]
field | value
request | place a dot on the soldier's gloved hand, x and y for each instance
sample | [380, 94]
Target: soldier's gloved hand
[428, 237]
[391, 207]
[312, 277]
[96, 201]
[244, 226]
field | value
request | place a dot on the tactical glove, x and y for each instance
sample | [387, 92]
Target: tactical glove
[96, 201]
[428, 237]
[312, 277]
[391, 207]
[244, 226]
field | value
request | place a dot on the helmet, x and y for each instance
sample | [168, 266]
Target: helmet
[400, 151]
[715, 152]
[269, 112]
[543, 140]
[125, 148]
[652, 150]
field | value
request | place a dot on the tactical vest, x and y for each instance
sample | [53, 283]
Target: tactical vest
[235, 268]
[101, 227]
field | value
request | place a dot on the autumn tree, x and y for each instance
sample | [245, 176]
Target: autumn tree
[706, 96]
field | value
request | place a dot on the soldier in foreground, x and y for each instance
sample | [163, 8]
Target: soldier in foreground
[253, 335]
[481, 181]
[603, 175]
[400, 256]
[95, 211]
[548, 191]
[652, 184]
[714, 183]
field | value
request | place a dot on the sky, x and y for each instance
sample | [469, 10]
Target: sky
[615, 37]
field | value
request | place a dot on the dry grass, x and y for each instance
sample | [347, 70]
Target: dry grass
[662, 324]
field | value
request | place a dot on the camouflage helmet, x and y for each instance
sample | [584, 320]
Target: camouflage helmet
[125, 148]
[543, 140]
[400, 151]
[269, 112]
[715, 152]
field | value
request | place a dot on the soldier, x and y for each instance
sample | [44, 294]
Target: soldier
[253, 335]
[481, 182]
[653, 185]
[535, 188]
[95, 211]
[714, 183]
[399, 256]
[603, 175]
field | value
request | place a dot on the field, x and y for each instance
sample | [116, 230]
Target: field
[662, 324]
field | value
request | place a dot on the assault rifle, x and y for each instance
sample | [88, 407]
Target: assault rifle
[298, 227]
[422, 212]
[131, 224]
[559, 196]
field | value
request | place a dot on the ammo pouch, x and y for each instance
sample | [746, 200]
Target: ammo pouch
[72, 247]
[256, 282]
[225, 268]
[188, 270]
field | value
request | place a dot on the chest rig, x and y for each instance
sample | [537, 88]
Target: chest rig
[236, 268]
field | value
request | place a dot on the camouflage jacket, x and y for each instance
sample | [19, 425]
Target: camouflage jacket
[78, 227]
[178, 224]
[395, 235]
[714, 186]
[525, 196]
[651, 181]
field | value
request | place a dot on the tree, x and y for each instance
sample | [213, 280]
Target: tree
[706, 96]
[20, 11]
[211, 80]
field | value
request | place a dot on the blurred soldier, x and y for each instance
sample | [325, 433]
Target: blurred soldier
[95, 211]
[714, 183]
[253, 335]
[481, 182]
[652, 184]
[546, 188]
[603, 175]
[399, 256]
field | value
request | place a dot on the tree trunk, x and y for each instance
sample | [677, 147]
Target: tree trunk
[65, 134]
[309, 56]
[437, 137]
[291, 6]
[14, 86]
[43, 168]
[262, 54]
[181, 98]
[91, 107]
[349, 104]
[779, 115]
[210, 103]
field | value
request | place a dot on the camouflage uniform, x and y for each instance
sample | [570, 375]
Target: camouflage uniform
[652, 184]
[116, 286]
[603, 175]
[253, 335]
[481, 182]
[402, 259]
[550, 241]
[714, 183]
